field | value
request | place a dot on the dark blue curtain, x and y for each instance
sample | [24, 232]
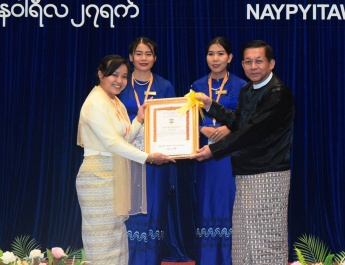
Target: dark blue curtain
[48, 71]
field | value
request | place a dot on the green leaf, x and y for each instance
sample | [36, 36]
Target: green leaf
[312, 249]
[76, 253]
[82, 261]
[300, 256]
[22, 247]
[50, 257]
[340, 257]
[62, 261]
[82, 254]
[329, 260]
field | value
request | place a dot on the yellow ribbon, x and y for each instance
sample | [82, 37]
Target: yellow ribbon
[191, 102]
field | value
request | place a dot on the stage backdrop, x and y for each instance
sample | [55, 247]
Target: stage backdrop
[49, 51]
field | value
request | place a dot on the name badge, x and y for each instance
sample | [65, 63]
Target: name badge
[151, 93]
[224, 92]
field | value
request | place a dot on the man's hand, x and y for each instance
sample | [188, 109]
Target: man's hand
[207, 100]
[202, 153]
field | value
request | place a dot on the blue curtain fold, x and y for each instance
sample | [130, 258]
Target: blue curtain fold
[48, 71]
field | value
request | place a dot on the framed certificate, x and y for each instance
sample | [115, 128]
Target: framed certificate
[169, 132]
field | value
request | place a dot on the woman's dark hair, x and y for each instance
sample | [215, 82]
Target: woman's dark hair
[222, 42]
[109, 64]
[258, 44]
[145, 40]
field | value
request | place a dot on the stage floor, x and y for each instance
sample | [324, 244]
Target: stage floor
[178, 263]
[191, 262]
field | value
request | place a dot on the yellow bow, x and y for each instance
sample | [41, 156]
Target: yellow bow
[191, 102]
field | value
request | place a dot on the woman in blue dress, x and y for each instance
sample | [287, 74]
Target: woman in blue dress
[146, 232]
[215, 185]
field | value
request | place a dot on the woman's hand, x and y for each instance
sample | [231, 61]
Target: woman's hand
[159, 159]
[208, 131]
[215, 134]
[141, 113]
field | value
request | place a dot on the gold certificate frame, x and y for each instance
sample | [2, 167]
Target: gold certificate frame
[169, 132]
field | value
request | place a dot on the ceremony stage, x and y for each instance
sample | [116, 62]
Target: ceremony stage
[178, 263]
[164, 262]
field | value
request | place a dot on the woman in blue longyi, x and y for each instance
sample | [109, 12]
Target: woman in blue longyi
[146, 232]
[215, 185]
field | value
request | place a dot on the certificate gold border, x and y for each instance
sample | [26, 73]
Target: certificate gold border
[151, 124]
